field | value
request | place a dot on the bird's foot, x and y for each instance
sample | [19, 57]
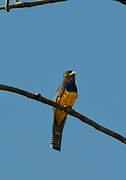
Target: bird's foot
[69, 108]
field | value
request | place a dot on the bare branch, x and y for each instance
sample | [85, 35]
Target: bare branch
[18, 2]
[83, 118]
[7, 5]
[121, 1]
[30, 4]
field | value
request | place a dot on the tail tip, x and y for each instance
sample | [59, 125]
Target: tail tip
[55, 147]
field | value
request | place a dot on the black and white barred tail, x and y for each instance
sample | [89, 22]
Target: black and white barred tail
[57, 135]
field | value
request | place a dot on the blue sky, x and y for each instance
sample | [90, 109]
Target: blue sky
[37, 45]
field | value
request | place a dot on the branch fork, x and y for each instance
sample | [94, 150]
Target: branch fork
[19, 4]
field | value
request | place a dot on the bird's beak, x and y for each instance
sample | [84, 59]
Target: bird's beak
[72, 73]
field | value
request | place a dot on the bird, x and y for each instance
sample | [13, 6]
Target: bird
[66, 96]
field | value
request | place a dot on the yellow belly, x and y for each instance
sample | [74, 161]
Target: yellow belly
[67, 99]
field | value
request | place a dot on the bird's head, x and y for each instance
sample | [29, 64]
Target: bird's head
[69, 75]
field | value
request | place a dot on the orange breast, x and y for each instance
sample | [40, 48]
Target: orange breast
[67, 99]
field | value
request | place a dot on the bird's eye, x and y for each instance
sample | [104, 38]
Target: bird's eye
[66, 74]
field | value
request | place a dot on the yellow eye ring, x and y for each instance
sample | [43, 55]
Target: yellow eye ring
[66, 74]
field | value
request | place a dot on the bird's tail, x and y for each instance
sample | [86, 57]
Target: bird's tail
[57, 135]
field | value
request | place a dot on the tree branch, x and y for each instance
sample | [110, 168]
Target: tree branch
[7, 5]
[83, 118]
[30, 4]
[121, 1]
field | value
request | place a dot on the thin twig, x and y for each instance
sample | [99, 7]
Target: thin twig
[30, 4]
[83, 118]
[7, 5]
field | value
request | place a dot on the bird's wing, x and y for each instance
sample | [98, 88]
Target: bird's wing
[59, 93]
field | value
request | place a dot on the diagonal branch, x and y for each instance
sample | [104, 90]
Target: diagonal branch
[121, 1]
[30, 4]
[83, 118]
